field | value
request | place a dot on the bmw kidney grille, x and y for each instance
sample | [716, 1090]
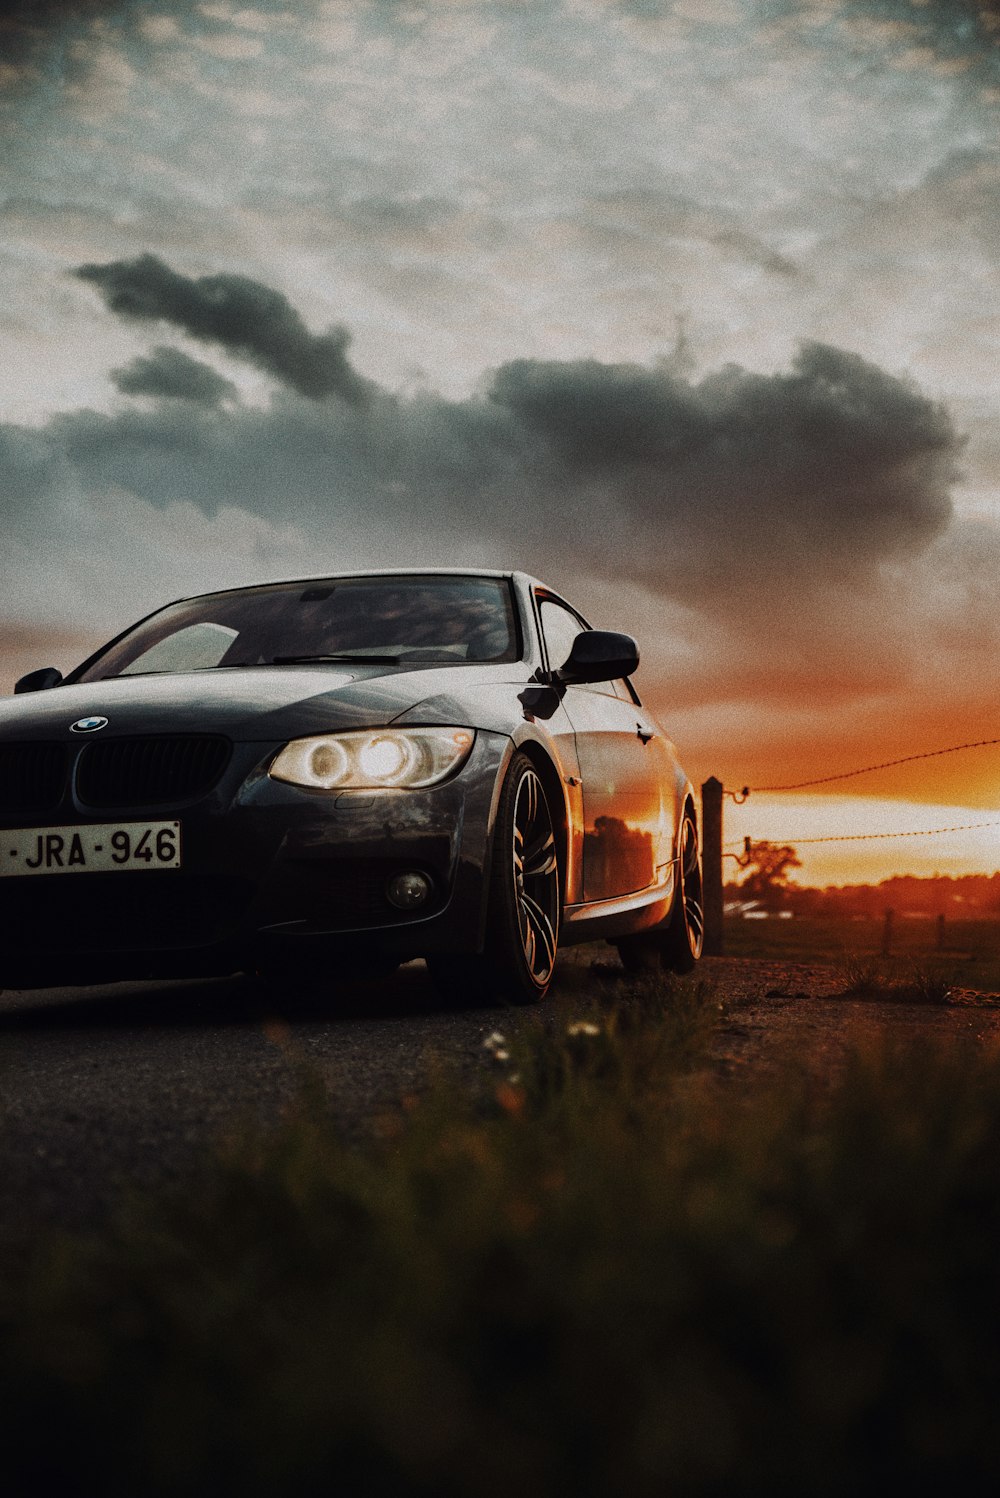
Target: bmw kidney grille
[32, 776]
[150, 771]
[137, 772]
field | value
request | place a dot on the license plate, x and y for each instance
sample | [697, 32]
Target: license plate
[98, 848]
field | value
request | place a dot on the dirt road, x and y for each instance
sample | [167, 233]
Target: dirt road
[798, 1014]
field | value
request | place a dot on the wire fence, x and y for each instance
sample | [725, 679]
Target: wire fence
[715, 851]
[867, 837]
[886, 764]
[864, 837]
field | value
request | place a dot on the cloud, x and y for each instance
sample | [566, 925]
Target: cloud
[242, 316]
[637, 218]
[828, 470]
[27, 27]
[758, 503]
[707, 491]
[170, 374]
[836, 463]
[963, 26]
[783, 544]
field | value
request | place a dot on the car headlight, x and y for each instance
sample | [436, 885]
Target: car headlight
[376, 759]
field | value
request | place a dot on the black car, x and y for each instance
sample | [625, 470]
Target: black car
[302, 776]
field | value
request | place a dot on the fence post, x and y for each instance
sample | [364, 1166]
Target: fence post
[887, 925]
[711, 864]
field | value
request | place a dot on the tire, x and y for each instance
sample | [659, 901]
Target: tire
[641, 952]
[677, 945]
[523, 904]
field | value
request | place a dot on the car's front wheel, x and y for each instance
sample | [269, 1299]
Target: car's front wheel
[522, 935]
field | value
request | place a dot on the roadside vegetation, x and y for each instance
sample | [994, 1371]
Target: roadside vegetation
[965, 952]
[601, 1270]
[947, 928]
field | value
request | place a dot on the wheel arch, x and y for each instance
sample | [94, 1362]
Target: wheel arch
[689, 804]
[687, 801]
[555, 795]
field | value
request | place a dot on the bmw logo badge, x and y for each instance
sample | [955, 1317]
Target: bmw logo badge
[88, 725]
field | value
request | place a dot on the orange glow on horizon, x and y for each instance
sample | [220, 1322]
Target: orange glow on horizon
[860, 858]
[942, 790]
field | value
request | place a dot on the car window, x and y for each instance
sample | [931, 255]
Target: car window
[194, 647]
[626, 691]
[446, 620]
[560, 629]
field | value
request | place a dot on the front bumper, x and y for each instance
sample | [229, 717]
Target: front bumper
[272, 875]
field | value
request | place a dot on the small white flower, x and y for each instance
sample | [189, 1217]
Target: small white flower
[492, 1041]
[514, 1079]
[583, 1027]
[501, 1055]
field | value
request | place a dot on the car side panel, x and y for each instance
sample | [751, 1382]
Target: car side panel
[626, 836]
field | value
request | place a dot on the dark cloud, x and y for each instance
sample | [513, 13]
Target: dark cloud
[42, 15]
[759, 529]
[30, 29]
[965, 20]
[707, 492]
[50, 12]
[170, 374]
[963, 30]
[835, 462]
[246, 318]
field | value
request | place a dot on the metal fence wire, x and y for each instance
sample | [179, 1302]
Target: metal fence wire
[887, 764]
[713, 793]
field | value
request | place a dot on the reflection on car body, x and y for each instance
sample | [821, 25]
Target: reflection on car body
[438, 764]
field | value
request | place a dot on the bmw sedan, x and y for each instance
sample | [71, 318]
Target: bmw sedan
[305, 777]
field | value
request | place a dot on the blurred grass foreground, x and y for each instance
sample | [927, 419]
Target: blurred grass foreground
[607, 1271]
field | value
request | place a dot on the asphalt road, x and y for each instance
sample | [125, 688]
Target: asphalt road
[129, 1083]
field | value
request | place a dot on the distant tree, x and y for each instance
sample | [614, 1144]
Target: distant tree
[767, 872]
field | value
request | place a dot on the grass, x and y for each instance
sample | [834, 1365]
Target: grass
[970, 955]
[908, 983]
[598, 1272]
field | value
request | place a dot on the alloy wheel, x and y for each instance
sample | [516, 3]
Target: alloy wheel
[536, 878]
[692, 896]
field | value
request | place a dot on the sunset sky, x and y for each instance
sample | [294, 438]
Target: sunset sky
[688, 306]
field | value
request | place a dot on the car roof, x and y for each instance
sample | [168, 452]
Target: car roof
[317, 577]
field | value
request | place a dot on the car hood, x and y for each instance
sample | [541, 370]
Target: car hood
[259, 703]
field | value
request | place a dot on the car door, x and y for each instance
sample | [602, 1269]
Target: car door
[621, 754]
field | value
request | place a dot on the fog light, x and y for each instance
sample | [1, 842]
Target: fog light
[407, 891]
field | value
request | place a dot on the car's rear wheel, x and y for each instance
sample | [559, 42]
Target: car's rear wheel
[522, 934]
[678, 944]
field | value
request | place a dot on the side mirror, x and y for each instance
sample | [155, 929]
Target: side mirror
[599, 655]
[39, 681]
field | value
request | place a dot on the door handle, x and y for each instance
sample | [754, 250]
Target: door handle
[645, 734]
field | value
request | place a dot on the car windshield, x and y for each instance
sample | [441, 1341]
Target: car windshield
[409, 620]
